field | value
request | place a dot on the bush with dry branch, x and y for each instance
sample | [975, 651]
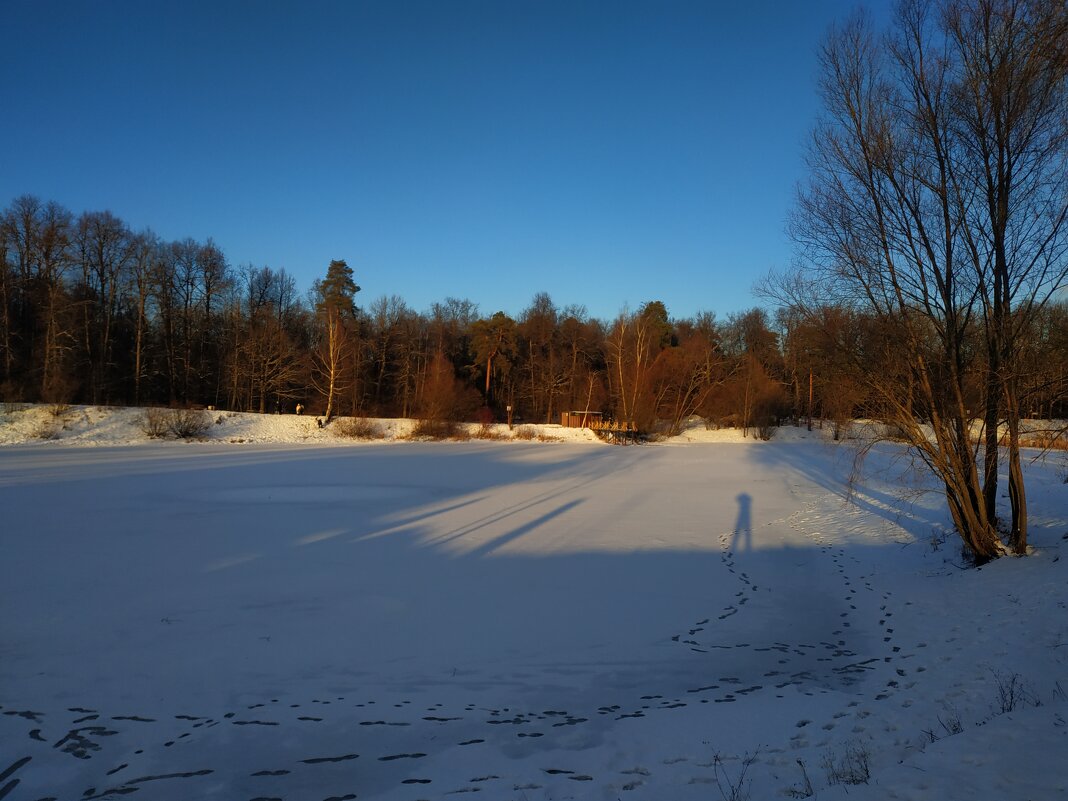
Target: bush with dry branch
[155, 422]
[188, 423]
[356, 428]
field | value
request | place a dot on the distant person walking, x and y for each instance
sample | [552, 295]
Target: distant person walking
[300, 408]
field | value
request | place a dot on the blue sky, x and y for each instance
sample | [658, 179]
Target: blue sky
[605, 153]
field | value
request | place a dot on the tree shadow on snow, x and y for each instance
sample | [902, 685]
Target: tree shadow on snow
[883, 482]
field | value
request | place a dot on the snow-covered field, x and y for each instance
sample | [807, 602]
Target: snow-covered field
[296, 617]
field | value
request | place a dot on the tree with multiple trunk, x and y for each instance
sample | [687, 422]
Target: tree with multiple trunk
[936, 209]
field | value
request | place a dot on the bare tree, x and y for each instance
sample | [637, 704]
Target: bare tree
[681, 379]
[8, 292]
[20, 224]
[143, 248]
[1009, 111]
[632, 345]
[889, 224]
[581, 357]
[53, 259]
[538, 327]
[396, 358]
[104, 248]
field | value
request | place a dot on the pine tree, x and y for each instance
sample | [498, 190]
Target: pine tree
[335, 309]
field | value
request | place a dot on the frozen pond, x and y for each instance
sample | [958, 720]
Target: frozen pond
[410, 620]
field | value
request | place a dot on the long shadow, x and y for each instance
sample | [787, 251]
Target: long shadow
[836, 468]
[742, 538]
[23, 465]
[517, 532]
[591, 477]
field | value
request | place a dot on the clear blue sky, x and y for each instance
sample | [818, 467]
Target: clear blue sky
[606, 153]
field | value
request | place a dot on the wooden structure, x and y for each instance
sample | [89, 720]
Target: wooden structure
[612, 430]
[581, 419]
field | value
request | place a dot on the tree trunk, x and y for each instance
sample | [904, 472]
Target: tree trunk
[991, 419]
[1017, 491]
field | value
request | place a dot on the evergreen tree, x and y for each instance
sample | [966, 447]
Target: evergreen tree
[335, 309]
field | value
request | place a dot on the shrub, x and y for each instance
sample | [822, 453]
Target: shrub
[525, 433]
[488, 431]
[155, 423]
[188, 423]
[734, 788]
[438, 429]
[951, 724]
[356, 428]
[444, 397]
[853, 767]
[48, 429]
[1012, 692]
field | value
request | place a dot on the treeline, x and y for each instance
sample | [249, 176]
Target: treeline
[93, 312]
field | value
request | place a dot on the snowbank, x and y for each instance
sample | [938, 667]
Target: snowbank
[108, 426]
[89, 426]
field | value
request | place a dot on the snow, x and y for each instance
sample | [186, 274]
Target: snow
[303, 616]
[94, 426]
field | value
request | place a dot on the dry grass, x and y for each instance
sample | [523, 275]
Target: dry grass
[531, 434]
[154, 423]
[460, 432]
[1050, 435]
[1046, 440]
[851, 767]
[357, 428]
[439, 430]
[525, 433]
[48, 429]
[488, 431]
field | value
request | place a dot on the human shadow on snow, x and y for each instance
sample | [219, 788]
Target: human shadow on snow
[742, 539]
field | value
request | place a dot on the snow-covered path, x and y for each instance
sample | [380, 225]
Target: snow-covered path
[408, 621]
